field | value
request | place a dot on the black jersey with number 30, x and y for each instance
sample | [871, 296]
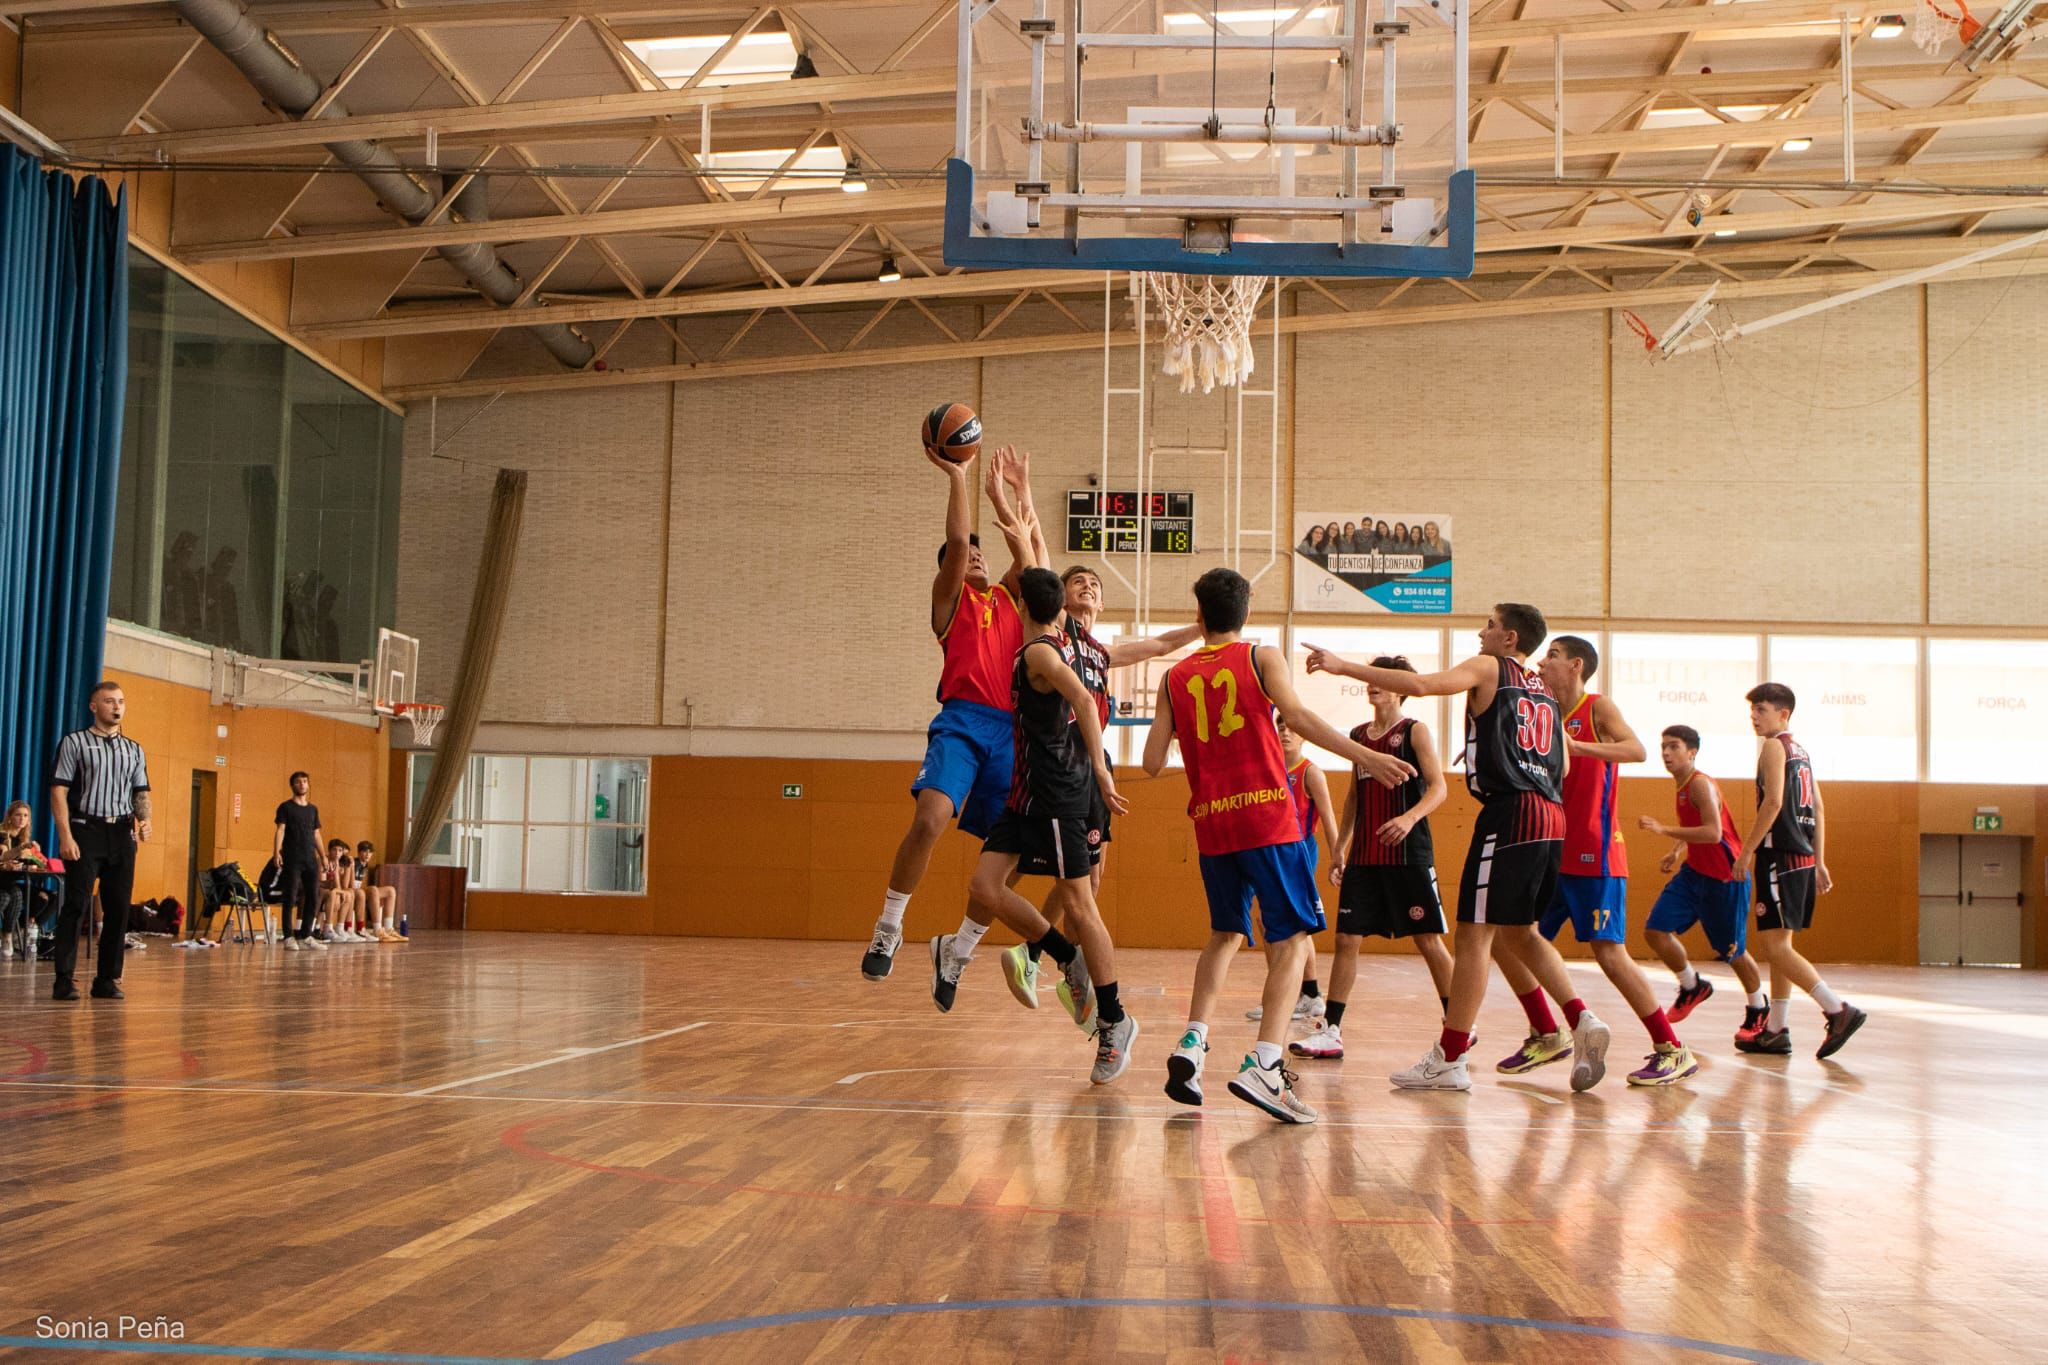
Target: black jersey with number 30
[1516, 744]
[1792, 832]
[1051, 774]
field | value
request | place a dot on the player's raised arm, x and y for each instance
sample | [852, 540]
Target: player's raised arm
[1018, 475]
[1124, 653]
[1474, 672]
[959, 551]
[1431, 765]
[1271, 664]
[1160, 736]
[1048, 669]
[1016, 533]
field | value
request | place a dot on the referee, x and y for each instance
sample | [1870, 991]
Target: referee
[99, 790]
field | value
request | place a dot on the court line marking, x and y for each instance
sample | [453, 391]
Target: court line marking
[565, 1055]
[199, 1348]
[913, 1070]
[622, 1351]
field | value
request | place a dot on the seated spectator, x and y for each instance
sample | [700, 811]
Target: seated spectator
[18, 853]
[381, 901]
[342, 897]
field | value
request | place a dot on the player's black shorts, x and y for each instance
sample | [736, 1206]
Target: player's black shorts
[1045, 845]
[1784, 895]
[1100, 813]
[1391, 902]
[1511, 868]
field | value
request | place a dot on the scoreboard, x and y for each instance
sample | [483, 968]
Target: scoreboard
[1116, 523]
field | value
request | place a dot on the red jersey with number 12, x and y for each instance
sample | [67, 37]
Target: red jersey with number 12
[1238, 793]
[1592, 840]
[981, 644]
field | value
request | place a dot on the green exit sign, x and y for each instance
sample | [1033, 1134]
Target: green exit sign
[1984, 824]
[792, 791]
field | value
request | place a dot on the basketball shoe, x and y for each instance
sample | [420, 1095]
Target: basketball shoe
[1305, 1008]
[1326, 1044]
[881, 953]
[1689, 1000]
[1841, 1024]
[1184, 1069]
[1589, 1048]
[1666, 1065]
[1113, 1049]
[945, 973]
[1271, 1088]
[1538, 1049]
[1434, 1073]
[1020, 973]
[1754, 1018]
[1077, 993]
[1768, 1041]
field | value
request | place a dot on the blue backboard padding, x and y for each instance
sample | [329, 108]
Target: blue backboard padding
[1452, 260]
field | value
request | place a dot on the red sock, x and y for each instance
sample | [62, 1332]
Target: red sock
[1659, 1027]
[1573, 1008]
[1540, 1017]
[1454, 1044]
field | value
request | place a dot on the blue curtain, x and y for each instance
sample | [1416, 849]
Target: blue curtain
[63, 378]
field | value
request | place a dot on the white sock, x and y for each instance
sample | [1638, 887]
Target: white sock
[1828, 1001]
[1687, 979]
[1199, 1029]
[893, 906]
[1781, 1011]
[1759, 1001]
[967, 938]
[1268, 1054]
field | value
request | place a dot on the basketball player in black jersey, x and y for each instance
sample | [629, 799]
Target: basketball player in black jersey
[1515, 762]
[1787, 848]
[1385, 862]
[1059, 767]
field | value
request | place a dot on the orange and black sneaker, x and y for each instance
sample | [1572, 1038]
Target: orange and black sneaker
[1689, 999]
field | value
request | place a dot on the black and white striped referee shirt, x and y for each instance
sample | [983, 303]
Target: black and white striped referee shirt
[103, 771]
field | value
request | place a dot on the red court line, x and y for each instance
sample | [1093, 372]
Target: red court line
[516, 1139]
[37, 1061]
[1219, 1212]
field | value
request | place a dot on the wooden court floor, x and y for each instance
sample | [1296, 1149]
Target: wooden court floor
[497, 1147]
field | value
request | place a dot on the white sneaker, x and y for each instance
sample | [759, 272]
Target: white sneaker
[1113, 1049]
[1589, 1051]
[1305, 1008]
[1270, 1088]
[1184, 1069]
[317, 944]
[880, 957]
[292, 945]
[1434, 1073]
[1326, 1044]
[6, 948]
[132, 944]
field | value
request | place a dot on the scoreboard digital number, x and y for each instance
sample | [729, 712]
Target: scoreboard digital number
[1117, 523]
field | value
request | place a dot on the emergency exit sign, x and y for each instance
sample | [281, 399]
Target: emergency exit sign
[1987, 824]
[792, 791]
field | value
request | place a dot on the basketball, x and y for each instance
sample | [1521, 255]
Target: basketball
[953, 432]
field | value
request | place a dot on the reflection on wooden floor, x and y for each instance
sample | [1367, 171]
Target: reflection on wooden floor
[522, 1147]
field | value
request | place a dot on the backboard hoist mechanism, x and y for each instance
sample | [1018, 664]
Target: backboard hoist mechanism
[386, 685]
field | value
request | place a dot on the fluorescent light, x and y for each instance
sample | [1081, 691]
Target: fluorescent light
[822, 167]
[1888, 26]
[890, 274]
[755, 58]
[1724, 232]
[1231, 17]
[1692, 115]
[1796, 144]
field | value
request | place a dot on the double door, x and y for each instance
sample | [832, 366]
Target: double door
[1970, 900]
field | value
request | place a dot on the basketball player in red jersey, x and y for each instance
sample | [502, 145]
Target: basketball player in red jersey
[966, 770]
[1386, 862]
[1787, 846]
[1219, 702]
[1592, 885]
[1515, 763]
[1706, 890]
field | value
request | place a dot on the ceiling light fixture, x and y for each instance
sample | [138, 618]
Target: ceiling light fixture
[1796, 144]
[890, 274]
[1888, 26]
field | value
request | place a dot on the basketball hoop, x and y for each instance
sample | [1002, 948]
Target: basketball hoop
[1208, 325]
[1933, 23]
[423, 717]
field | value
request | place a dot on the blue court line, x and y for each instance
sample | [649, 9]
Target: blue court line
[620, 1352]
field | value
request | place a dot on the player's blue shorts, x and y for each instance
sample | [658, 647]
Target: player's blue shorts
[1596, 906]
[968, 751]
[1282, 876]
[1720, 908]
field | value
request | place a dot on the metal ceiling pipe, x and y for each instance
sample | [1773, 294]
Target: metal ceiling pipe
[285, 84]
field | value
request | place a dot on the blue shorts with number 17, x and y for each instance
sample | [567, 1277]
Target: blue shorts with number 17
[1596, 906]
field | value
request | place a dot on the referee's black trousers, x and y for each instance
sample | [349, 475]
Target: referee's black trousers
[106, 861]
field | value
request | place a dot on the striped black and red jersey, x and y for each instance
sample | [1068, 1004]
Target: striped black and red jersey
[1516, 745]
[1376, 804]
[1051, 774]
[1089, 658]
[1789, 840]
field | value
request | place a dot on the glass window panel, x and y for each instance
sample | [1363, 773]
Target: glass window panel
[558, 790]
[1696, 680]
[503, 789]
[551, 851]
[1149, 674]
[1859, 703]
[1987, 710]
[499, 857]
[615, 858]
[1342, 701]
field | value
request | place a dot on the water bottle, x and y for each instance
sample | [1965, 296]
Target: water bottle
[404, 929]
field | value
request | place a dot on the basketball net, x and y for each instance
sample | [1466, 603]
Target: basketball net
[1208, 325]
[422, 716]
[1933, 24]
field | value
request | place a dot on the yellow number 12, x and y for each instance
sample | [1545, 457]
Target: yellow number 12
[1229, 722]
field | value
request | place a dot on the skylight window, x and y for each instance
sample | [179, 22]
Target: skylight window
[822, 167]
[754, 59]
